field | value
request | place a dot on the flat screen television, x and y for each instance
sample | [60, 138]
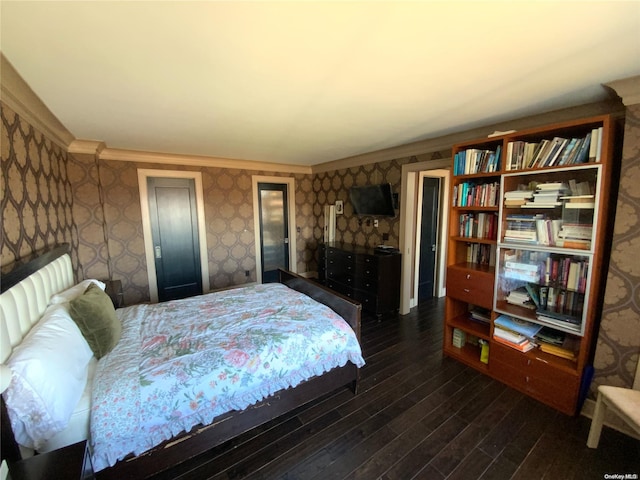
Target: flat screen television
[373, 200]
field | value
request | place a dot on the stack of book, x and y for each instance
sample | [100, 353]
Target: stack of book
[515, 333]
[520, 297]
[480, 314]
[577, 222]
[556, 343]
[564, 320]
[547, 195]
[517, 198]
[522, 228]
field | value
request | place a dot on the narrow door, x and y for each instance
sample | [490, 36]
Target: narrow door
[174, 229]
[274, 229]
[428, 236]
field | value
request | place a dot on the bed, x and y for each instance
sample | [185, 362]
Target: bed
[28, 291]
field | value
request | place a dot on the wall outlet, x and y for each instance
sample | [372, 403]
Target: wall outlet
[385, 236]
[247, 273]
[375, 222]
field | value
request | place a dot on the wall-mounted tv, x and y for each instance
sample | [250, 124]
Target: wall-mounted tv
[373, 200]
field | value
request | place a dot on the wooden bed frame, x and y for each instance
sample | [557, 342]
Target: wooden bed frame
[201, 438]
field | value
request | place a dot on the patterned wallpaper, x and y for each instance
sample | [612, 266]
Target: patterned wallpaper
[618, 346]
[334, 185]
[111, 197]
[37, 198]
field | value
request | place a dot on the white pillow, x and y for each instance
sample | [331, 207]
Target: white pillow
[49, 374]
[73, 292]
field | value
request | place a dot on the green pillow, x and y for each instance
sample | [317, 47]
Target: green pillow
[94, 314]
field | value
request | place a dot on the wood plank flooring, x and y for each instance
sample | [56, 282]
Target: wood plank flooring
[417, 416]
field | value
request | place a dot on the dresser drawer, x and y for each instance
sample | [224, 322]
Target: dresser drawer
[369, 300]
[341, 288]
[470, 286]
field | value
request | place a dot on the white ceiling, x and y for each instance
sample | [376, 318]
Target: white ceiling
[309, 82]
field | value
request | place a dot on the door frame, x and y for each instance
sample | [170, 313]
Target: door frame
[143, 174]
[410, 172]
[290, 182]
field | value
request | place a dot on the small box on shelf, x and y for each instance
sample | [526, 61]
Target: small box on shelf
[459, 338]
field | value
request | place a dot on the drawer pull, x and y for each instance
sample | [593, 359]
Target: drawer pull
[466, 290]
[468, 276]
[541, 359]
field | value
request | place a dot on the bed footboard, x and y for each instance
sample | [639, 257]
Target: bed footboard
[347, 308]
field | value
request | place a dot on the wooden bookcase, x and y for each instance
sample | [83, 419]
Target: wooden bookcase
[529, 238]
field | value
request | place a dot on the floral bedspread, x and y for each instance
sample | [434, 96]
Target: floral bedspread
[182, 363]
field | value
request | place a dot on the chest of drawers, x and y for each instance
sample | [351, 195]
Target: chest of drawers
[360, 273]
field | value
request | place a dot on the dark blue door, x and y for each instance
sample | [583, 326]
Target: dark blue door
[428, 236]
[174, 228]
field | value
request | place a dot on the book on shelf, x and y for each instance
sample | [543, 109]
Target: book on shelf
[518, 194]
[478, 225]
[520, 297]
[557, 318]
[548, 231]
[522, 271]
[522, 227]
[557, 351]
[475, 160]
[469, 194]
[514, 202]
[557, 146]
[524, 346]
[547, 195]
[481, 254]
[518, 326]
[575, 232]
[579, 201]
[551, 336]
[554, 152]
[595, 148]
[557, 343]
[565, 272]
[577, 244]
[534, 295]
[572, 204]
[580, 188]
[480, 314]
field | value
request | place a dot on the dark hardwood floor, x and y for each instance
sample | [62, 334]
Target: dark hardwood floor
[418, 415]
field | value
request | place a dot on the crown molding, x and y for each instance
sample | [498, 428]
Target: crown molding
[628, 89]
[123, 155]
[88, 147]
[19, 96]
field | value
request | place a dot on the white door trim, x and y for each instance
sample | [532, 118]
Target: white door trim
[143, 174]
[408, 217]
[290, 182]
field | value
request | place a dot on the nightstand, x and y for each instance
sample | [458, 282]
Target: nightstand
[71, 462]
[113, 288]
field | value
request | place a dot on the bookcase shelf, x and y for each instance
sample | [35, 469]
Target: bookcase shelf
[543, 273]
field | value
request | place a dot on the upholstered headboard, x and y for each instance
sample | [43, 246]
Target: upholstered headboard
[23, 301]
